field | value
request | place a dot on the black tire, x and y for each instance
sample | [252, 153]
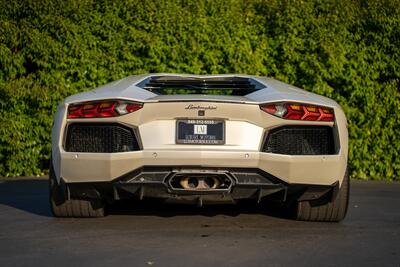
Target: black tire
[60, 207]
[334, 211]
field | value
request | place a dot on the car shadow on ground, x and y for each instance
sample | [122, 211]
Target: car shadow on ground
[32, 196]
[154, 207]
[27, 195]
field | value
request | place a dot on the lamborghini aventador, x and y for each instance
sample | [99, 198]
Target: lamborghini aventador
[202, 140]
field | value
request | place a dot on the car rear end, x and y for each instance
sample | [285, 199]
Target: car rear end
[200, 148]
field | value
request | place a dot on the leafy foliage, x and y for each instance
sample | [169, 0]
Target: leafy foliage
[346, 50]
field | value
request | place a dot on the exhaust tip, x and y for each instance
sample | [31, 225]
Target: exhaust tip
[189, 183]
[211, 182]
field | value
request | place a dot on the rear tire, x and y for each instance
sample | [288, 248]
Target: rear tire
[61, 207]
[333, 211]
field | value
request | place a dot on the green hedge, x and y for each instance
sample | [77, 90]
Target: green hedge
[346, 50]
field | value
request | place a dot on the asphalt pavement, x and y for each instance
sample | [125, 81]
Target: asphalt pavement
[154, 234]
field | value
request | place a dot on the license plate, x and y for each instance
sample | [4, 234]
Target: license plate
[201, 132]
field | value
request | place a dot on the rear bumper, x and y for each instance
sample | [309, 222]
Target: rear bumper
[154, 182]
[106, 167]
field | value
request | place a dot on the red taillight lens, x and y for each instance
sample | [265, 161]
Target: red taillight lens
[132, 107]
[102, 109]
[75, 111]
[107, 109]
[295, 111]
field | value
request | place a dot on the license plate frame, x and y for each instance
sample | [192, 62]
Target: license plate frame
[185, 132]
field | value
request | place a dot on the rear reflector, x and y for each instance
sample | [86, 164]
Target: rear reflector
[296, 111]
[102, 109]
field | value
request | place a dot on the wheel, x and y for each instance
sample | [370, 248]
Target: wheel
[60, 207]
[334, 211]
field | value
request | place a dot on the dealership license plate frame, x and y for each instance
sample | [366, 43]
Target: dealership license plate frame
[199, 139]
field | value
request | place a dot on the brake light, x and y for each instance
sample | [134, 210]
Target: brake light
[102, 109]
[296, 111]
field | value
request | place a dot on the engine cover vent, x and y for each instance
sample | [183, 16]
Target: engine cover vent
[177, 85]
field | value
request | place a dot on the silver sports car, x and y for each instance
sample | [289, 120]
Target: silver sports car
[200, 139]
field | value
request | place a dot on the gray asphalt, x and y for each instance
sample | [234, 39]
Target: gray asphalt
[150, 234]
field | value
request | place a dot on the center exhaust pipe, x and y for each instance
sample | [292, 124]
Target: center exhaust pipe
[199, 183]
[207, 182]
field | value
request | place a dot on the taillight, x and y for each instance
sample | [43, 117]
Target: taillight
[296, 111]
[102, 109]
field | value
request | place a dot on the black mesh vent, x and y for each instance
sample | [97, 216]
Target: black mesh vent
[300, 140]
[100, 138]
[176, 85]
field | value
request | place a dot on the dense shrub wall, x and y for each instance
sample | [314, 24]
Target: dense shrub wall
[346, 50]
